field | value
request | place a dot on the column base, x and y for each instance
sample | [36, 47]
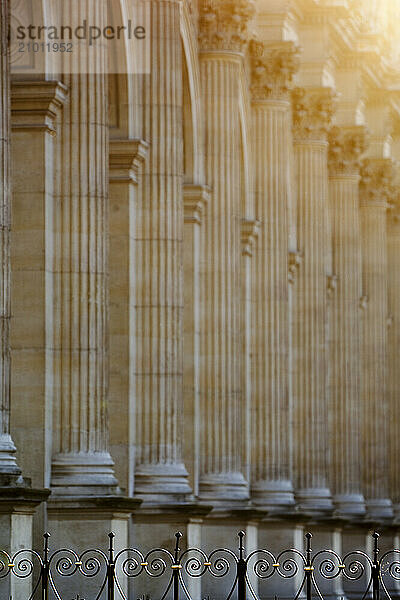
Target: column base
[314, 501]
[83, 474]
[222, 489]
[349, 505]
[379, 508]
[8, 461]
[162, 483]
[273, 496]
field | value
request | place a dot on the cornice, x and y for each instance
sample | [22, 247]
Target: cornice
[313, 110]
[272, 69]
[224, 24]
[195, 198]
[346, 146]
[376, 183]
[126, 159]
[35, 105]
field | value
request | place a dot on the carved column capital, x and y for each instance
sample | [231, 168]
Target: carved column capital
[195, 199]
[376, 182]
[394, 212]
[272, 69]
[223, 24]
[249, 233]
[126, 158]
[313, 110]
[346, 145]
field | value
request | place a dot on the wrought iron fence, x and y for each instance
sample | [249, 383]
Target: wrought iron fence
[116, 569]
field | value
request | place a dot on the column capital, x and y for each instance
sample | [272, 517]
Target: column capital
[313, 110]
[126, 159]
[376, 182]
[223, 24]
[346, 145]
[195, 198]
[249, 233]
[35, 105]
[295, 259]
[272, 68]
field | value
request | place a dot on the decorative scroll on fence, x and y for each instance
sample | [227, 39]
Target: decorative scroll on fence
[117, 569]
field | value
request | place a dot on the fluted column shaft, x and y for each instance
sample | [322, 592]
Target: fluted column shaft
[346, 145]
[160, 472]
[220, 376]
[272, 69]
[376, 176]
[220, 467]
[271, 460]
[82, 463]
[312, 109]
[7, 449]
[394, 345]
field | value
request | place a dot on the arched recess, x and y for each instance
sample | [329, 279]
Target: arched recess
[248, 208]
[192, 116]
[119, 99]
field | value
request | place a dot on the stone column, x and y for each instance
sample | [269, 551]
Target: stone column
[312, 112]
[394, 345]
[272, 69]
[8, 463]
[346, 146]
[375, 183]
[82, 464]
[223, 37]
[160, 472]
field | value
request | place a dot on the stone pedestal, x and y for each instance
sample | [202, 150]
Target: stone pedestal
[17, 507]
[164, 522]
[276, 537]
[83, 523]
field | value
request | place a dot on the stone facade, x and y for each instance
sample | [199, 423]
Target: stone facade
[200, 284]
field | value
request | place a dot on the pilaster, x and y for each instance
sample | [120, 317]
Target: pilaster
[196, 199]
[35, 110]
[126, 158]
